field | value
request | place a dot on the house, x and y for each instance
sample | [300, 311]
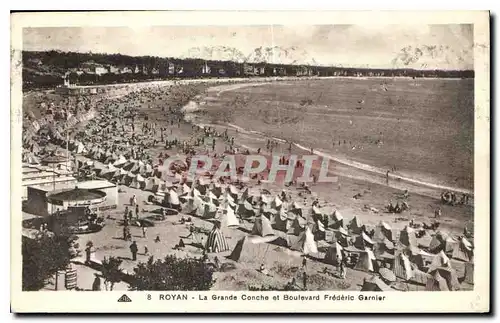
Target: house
[155, 71]
[171, 68]
[91, 67]
[205, 69]
[113, 69]
[126, 70]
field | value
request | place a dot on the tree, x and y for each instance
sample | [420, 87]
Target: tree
[42, 258]
[111, 271]
[173, 273]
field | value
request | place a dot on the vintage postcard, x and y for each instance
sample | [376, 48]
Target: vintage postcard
[287, 162]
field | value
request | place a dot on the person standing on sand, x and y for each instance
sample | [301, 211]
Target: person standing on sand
[137, 211]
[387, 177]
[144, 231]
[96, 285]
[133, 250]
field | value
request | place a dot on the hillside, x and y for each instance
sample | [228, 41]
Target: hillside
[420, 57]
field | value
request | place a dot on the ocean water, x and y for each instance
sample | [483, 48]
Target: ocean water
[423, 128]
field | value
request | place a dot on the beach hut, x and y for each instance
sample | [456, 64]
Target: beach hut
[216, 242]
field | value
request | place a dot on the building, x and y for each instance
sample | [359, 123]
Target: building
[45, 177]
[107, 187]
[76, 197]
[37, 191]
[93, 68]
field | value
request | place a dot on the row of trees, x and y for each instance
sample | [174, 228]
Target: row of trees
[56, 63]
[43, 257]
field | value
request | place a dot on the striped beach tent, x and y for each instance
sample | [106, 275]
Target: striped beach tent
[216, 242]
[402, 267]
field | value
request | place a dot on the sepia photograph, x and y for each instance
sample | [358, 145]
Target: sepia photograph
[320, 162]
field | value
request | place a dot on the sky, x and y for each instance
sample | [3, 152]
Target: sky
[345, 45]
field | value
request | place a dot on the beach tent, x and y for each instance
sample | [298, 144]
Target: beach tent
[295, 212]
[424, 241]
[216, 190]
[266, 199]
[138, 182]
[319, 230]
[402, 266]
[331, 254]
[153, 184]
[442, 241]
[316, 211]
[280, 221]
[228, 219]
[417, 256]
[436, 283]
[341, 236]
[120, 161]
[146, 170]
[207, 210]
[305, 243]
[129, 165]
[276, 203]
[262, 227]
[366, 261]
[355, 225]
[246, 210]
[363, 241]
[109, 172]
[247, 250]
[419, 277]
[407, 237]
[463, 250]
[173, 199]
[233, 192]
[297, 225]
[268, 212]
[382, 231]
[216, 242]
[450, 277]
[440, 260]
[469, 273]
[375, 284]
[80, 148]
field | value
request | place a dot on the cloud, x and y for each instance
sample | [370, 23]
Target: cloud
[348, 45]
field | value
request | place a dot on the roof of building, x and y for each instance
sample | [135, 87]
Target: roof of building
[48, 180]
[95, 184]
[77, 194]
